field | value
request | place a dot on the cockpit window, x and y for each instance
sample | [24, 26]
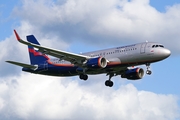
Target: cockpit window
[161, 46]
[155, 46]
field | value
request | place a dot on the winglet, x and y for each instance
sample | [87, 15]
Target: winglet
[17, 36]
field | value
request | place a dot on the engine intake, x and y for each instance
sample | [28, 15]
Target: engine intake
[98, 62]
[133, 74]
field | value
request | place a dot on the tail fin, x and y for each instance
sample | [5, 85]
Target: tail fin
[36, 57]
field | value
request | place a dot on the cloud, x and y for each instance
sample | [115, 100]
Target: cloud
[40, 97]
[113, 21]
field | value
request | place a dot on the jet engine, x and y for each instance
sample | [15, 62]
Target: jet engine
[133, 74]
[98, 62]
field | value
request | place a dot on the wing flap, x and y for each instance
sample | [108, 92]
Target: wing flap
[23, 65]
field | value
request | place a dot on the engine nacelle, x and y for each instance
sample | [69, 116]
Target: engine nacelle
[98, 62]
[133, 74]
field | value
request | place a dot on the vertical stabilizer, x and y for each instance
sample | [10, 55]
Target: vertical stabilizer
[36, 57]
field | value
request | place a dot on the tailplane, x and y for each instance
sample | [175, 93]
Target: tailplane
[36, 57]
[33, 67]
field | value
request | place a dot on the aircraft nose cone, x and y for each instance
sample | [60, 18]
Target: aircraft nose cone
[166, 53]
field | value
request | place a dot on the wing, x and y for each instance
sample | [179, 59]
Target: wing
[34, 67]
[71, 57]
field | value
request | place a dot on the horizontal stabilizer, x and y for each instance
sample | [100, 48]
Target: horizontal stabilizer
[34, 67]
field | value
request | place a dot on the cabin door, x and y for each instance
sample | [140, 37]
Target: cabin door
[143, 48]
[45, 66]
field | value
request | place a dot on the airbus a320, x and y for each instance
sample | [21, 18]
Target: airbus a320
[112, 62]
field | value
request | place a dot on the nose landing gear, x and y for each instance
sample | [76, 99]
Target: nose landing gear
[149, 72]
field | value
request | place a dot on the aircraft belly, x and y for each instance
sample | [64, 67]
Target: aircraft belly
[58, 71]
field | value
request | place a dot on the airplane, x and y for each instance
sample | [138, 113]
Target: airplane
[112, 62]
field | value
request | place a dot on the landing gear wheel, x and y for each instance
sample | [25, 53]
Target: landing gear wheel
[109, 83]
[148, 72]
[83, 77]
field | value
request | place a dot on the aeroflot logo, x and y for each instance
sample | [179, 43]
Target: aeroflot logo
[126, 46]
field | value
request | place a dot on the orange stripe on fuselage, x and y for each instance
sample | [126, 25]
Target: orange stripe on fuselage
[63, 65]
[131, 63]
[109, 63]
[113, 63]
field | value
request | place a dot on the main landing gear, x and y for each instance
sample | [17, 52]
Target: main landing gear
[109, 83]
[149, 72]
[83, 76]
